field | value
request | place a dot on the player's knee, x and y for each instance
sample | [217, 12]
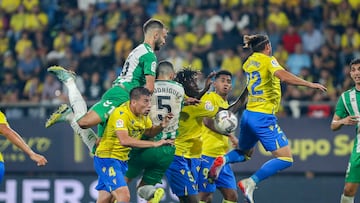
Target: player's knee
[231, 196]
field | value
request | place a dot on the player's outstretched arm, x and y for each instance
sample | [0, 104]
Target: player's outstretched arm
[208, 83]
[150, 81]
[289, 78]
[240, 101]
[17, 140]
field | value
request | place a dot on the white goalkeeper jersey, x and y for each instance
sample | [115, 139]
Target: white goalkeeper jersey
[168, 97]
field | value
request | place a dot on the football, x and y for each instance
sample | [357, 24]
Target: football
[225, 122]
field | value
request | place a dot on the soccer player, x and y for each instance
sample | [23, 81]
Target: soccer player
[125, 127]
[347, 112]
[168, 97]
[17, 140]
[183, 172]
[216, 144]
[259, 122]
[138, 70]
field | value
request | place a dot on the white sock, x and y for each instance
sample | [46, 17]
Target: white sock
[88, 136]
[77, 102]
[346, 199]
[146, 192]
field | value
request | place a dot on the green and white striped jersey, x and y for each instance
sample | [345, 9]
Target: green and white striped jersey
[141, 61]
[168, 97]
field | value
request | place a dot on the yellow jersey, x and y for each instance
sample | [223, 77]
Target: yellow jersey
[214, 144]
[264, 88]
[3, 120]
[121, 119]
[188, 143]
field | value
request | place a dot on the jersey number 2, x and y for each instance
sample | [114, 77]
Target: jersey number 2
[252, 76]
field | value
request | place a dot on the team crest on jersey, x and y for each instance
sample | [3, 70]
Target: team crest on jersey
[274, 62]
[153, 66]
[120, 123]
[209, 106]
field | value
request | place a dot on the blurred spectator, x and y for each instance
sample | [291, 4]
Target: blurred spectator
[9, 88]
[298, 60]
[22, 44]
[328, 81]
[181, 17]
[277, 17]
[163, 15]
[92, 20]
[94, 89]
[231, 62]
[61, 41]
[350, 44]
[110, 76]
[274, 35]
[78, 42]
[36, 20]
[202, 46]
[30, 4]
[10, 6]
[332, 38]
[8, 64]
[51, 90]
[193, 62]
[311, 38]
[281, 54]
[290, 38]
[17, 23]
[325, 59]
[123, 46]
[176, 59]
[33, 89]
[236, 19]
[73, 21]
[184, 39]
[113, 18]
[220, 43]
[212, 21]
[28, 66]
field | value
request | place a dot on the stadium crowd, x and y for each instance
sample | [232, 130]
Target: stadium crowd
[313, 39]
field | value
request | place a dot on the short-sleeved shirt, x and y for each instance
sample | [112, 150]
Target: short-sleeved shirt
[168, 97]
[121, 119]
[189, 144]
[214, 144]
[263, 86]
[141, 61]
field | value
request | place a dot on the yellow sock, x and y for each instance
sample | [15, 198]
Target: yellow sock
[227, 201]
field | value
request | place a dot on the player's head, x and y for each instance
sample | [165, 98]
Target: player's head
[222, 83]
[258, 43]
[355, 70]
[140, 101]
[155, 32]
[188, 79]
[165, 71]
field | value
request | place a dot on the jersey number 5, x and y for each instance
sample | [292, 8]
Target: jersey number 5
[163, 102]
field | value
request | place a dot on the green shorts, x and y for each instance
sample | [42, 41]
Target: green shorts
[151, 162]
[111, 99]
[352, 172]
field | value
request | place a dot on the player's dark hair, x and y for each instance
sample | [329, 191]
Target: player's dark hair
[164, 68]
[137, 92]
[152, 24]
[354, 61]
[222, 72]
[256, 42]
[186, 77]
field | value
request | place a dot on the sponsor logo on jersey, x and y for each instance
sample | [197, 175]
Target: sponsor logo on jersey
[119, 123]
[107, 103]
[274, 63]
[209, 106]
[153, 66]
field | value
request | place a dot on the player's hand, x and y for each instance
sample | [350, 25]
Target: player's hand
[319, 86]
[166, 120]
[191, 101]
[164, 142]
[208, 81]
[350, 120]
[39, 159]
